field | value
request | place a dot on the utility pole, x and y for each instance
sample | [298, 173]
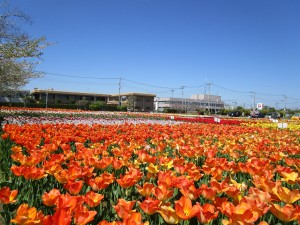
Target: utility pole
[120, 91]
[208, 84]
[171, 101]
[47, 93]
[47, 99]
[285, 100]
[182, 87]
[254, 98]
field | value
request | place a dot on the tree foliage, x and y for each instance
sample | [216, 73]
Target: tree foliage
[98, 105]
[131, 103]
[19, 53]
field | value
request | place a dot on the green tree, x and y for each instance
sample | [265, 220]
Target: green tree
[19, 53]
[82, 104]
[122, 108]
[98, 105]
[131, 103]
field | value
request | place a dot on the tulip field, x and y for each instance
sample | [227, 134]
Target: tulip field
[77, 167]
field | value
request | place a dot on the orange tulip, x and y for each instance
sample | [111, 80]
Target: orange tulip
[150, 205]
[27, 215]
[61, 176]
[182, 182]
[234, 193]
[179, 169]
[194, 173]
[134, 218]
[67, 201]
[104, 162]
[7, 196]
[73, 187]
[263, 223]
[130, 178]
[102, 181]
[126, 181]
[264, 183]
[263, 196]
[146, 190]
[286, 213]
[184, 208]
[123, 207]
[206, 213]
[83, 216]
[48, 220]
[117, 163]
[62, 216]
[104, 222]
[258, 207]
[286, 195]
[163, 192]
[166, 177]
[288, 175]
[207, 192]
[219, 186]
[29, 172]
[191, 192]
[53, 169]
[49, 199]
[169, 215]
[258, 201]
[76, 171]
[20, 157]
[93, 199]
[240, 214]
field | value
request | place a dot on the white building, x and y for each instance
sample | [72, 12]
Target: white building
[202, 102]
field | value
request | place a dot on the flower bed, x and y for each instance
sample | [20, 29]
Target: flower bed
[186, 173]
[209, 119]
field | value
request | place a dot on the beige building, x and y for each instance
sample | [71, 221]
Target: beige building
[141, 102]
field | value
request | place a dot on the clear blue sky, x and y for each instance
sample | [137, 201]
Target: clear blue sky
[239, 46]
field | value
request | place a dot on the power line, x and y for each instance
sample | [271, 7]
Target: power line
[164, 87]
[149, 85]
[245, 92]
[82, 77]
[59, 81]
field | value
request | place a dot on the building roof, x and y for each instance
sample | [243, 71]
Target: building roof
[134, 93]
[51, 91]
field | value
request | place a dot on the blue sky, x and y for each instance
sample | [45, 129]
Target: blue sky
[155, 46]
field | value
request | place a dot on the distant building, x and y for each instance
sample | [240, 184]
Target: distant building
[141, 102]
[199, 102]
[65, 97]
[134, 101]
[18, 97]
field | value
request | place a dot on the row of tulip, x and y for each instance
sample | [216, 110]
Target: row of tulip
[208, 119]
[81, 120]
[14, 115]
[291, 124]
[37, 112]
[187, 173]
